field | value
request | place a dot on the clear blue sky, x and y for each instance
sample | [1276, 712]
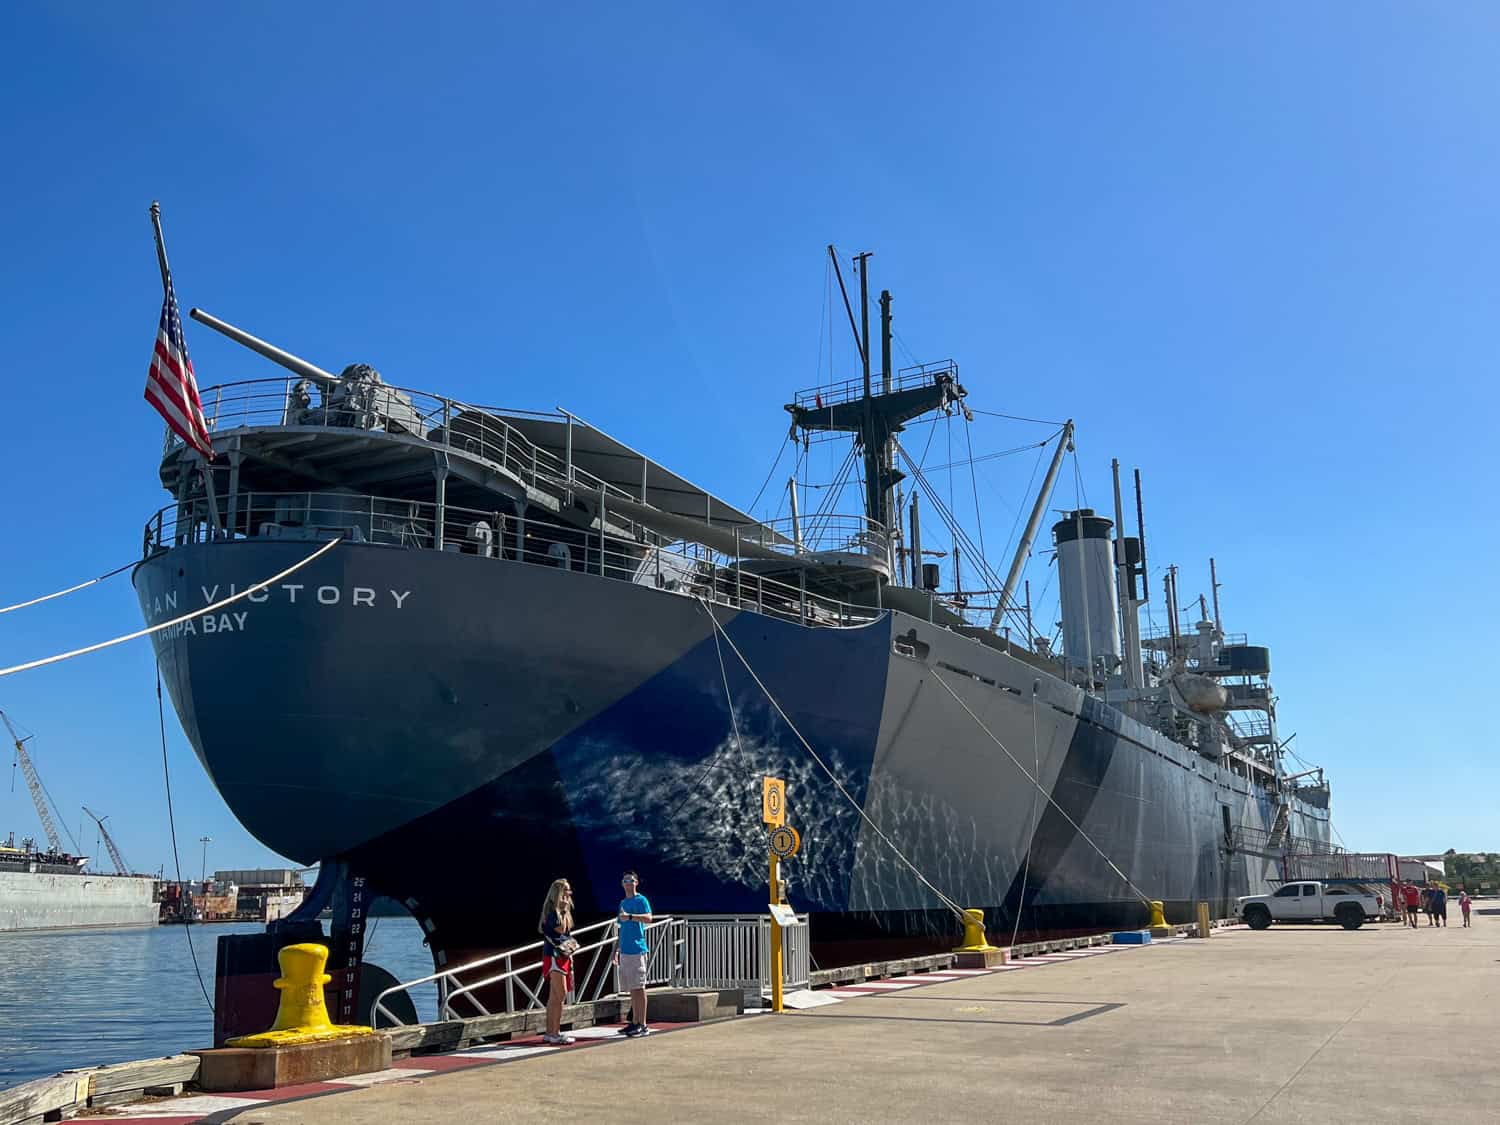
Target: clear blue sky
[1252, 252]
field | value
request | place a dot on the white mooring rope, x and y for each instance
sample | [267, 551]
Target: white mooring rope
[69, 590]
[220, 604]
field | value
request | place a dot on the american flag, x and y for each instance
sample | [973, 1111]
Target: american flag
[170, 386]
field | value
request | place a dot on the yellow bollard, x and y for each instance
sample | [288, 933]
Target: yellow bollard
[301, 1016]
[1205, 924]
[1158, 923]
[976, 952]
[975, 940]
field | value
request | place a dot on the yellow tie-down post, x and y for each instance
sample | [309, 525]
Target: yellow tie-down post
[976, 952]
[301, 1015]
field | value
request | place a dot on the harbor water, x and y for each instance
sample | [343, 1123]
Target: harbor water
[80, 998]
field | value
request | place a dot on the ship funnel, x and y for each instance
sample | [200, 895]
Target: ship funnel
[1086, 585]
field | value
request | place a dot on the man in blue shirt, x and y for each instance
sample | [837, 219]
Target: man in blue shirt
[634, 917]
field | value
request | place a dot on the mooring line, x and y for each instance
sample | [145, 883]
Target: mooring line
[926, 882]
[69, 590]
[161, 726]
[1042, 790]
[176, 620]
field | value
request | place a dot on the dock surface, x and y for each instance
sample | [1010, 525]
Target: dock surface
[1292, 1024]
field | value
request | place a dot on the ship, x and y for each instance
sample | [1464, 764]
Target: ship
[454, 651]
[52, 888]
[47, 890]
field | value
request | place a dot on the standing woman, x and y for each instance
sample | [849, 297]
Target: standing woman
[558, 947]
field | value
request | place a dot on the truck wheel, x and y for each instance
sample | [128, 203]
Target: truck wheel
[1257, 917]
[1350, 916]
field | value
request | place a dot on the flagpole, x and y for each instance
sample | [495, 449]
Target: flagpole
[161, 245]
[166, 274]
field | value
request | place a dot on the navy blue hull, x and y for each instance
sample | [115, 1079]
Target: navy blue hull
[464, 730]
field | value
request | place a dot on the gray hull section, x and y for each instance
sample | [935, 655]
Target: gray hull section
[73, 902]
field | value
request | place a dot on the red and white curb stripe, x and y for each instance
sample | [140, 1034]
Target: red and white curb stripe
[191, 1108]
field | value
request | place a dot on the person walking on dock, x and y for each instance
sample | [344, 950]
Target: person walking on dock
[558, 947]
[1439, 902]
[1464, 903]
[632, 951]
[1413, 899]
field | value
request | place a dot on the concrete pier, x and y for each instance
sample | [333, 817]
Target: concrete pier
[1293, 1024]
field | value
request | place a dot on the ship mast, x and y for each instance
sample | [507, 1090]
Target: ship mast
[875, 418]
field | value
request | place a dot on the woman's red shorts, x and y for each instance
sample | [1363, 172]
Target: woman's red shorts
[563, 965]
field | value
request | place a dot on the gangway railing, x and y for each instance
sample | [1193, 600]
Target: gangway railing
[734, 951]
[693, 951]
[510, 974]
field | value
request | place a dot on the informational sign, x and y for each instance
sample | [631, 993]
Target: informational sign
[773, 801]
[785, 841]
[784, 914]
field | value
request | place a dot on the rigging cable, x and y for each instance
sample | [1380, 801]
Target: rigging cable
[1015, 523]
[1015, 417]
[218, 605]
[161, 723]
[1050, 800]
[960, 536]
[1036, 753]
[1011, 452]
[780, 453]
[958, 911]
[974, 485]
[734, 722]
[69, 590]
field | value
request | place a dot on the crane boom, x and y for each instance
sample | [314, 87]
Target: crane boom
[34, 783]
[114, 853]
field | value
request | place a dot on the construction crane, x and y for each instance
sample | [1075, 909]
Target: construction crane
[114, 853]
[34, 783]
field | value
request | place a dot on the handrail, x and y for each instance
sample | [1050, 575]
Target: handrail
[280, 402]
[685, 568]
[698, 950]
[451, 987]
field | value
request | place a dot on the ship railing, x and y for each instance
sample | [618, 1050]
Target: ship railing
[685, 568]
[480, 431]
[848, 390]
[515, 976]
[818, 534]
[484, 433]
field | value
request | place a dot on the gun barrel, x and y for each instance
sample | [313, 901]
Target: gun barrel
[274, 354]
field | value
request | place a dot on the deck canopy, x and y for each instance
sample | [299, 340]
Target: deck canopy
[616, 463]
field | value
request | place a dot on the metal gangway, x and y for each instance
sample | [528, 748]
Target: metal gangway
[689, 951]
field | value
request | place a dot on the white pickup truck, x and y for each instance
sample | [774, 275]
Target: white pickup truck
[1348, 904]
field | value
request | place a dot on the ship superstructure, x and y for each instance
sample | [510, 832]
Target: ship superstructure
[534, 645]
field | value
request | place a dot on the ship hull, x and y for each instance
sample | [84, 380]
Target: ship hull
[31, 901]
[463, 730]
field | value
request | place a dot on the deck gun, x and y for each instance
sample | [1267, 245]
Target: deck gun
[357, 397]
